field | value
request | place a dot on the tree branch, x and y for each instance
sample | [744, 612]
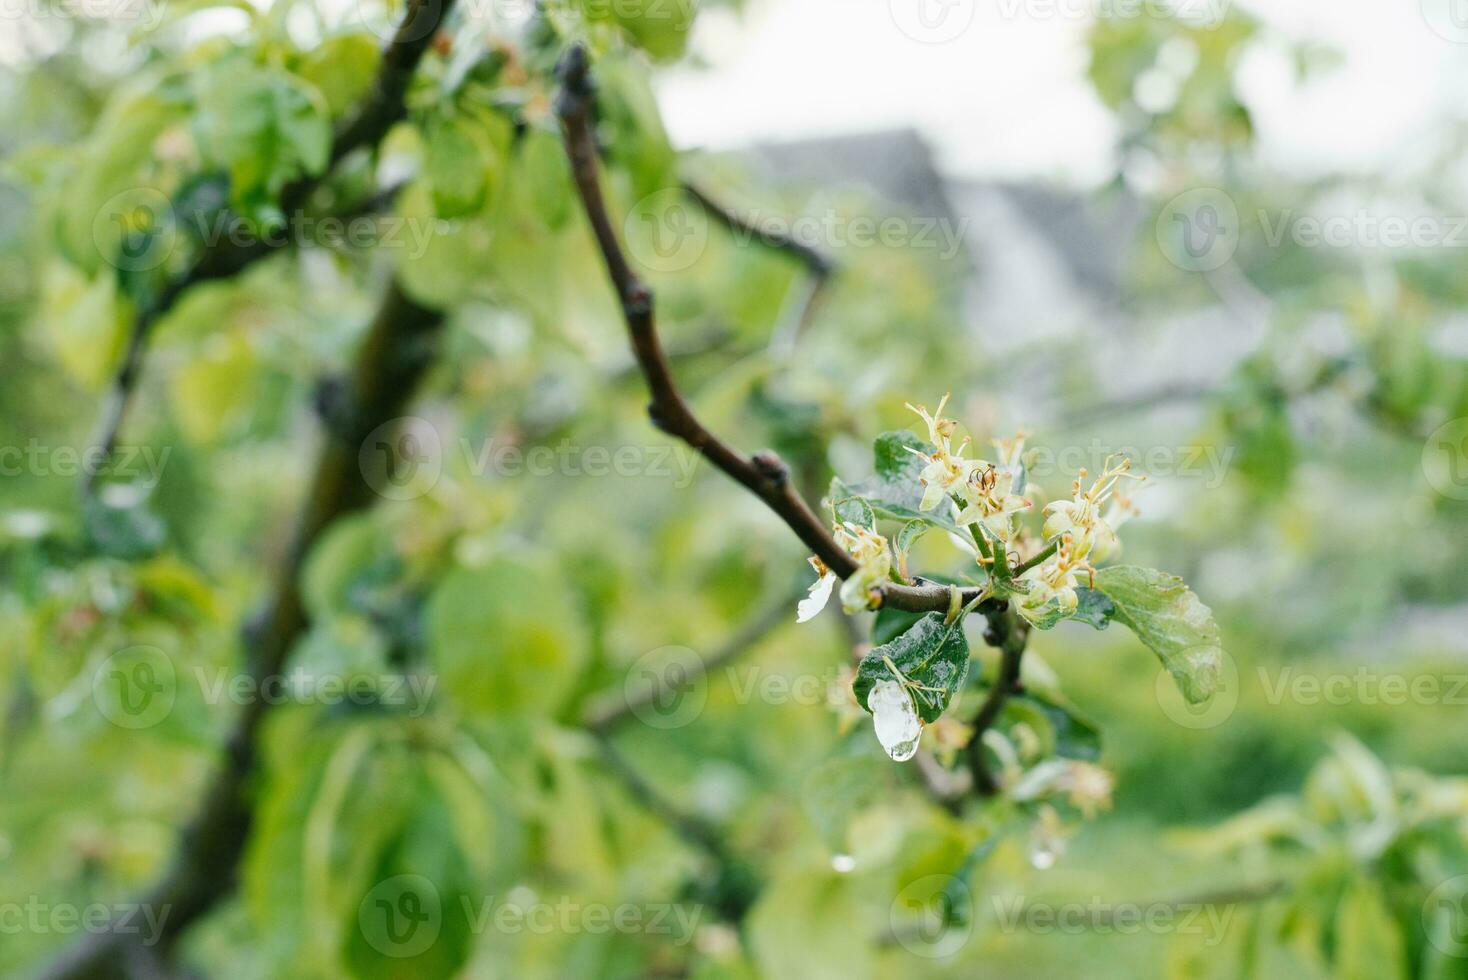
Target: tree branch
[383, 107]
[1008, 633]
[769, 235]
[393, 357]
[764, 474]
[796, 313]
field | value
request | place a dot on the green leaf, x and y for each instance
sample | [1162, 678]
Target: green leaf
[808, 925]
[894, 457]
[1093, 608]
[896, 481]
[849, 508]
[354, 555]
[541, 165]
[895, 491]
[342, 69]
[214, 388]
[264, 126]
[1171, 621]
[659, 27]
[115, 169]
[907, 537]
[503, 638]
[85, 322]
[450, 265]
[301, 118]
[1369, 941]
[639, 143]
[120, 524]
[459, 161]
[891, 623]
[932, 654]
[1071, 734]
[837, 789]
[415, 915]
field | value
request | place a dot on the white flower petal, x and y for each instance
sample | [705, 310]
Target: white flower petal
[820, 594]
[895, 718]
[931, 495]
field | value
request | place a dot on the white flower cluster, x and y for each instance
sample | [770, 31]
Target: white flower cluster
[986, 497]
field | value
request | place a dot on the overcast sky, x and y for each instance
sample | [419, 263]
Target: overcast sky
[998, 86]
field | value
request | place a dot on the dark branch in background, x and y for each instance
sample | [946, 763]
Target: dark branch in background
[820, 265]
[383, 107]
[1009, 635]
[796, 315]
[764, 474]
[393, 357]
[603, 719]
[735, 890]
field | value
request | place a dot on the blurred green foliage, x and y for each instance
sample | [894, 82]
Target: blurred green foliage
[520, 599]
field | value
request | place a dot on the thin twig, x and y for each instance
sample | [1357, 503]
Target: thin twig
[798, 309]
[1040, 556]
[383, 107]
[759, 626]
[764, 474]
[689, 827]
[1010, 635]
[768, 234]
[735, 886]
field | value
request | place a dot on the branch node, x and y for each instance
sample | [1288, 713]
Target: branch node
[577, 88]
[637, 301]
[771, 467]
[659, 420]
